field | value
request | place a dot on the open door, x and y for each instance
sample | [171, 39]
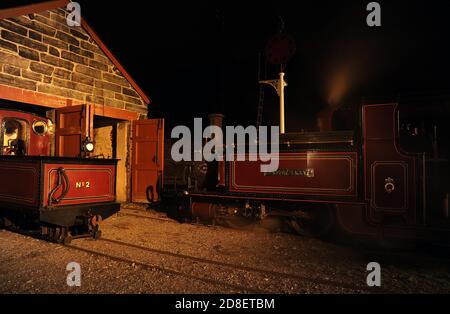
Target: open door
[147, 160]
[73, 126]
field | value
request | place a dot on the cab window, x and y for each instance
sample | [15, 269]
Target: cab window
[14, 137]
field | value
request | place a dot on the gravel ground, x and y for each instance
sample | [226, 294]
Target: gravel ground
[29, 265]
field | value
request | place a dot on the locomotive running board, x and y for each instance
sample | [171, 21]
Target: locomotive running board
[268, 198]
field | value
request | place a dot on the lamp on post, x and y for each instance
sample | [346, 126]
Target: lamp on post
[279, 50]
[87, 146]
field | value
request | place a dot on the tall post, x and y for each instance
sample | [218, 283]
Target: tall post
[279, 86]
[282, 84]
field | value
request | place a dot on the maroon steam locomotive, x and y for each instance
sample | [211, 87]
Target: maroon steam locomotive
[385, 176]
[58, 197]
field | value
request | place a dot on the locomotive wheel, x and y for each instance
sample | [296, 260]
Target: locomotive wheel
[58, 234]
[315, 222]
[97, 234]
[67, 240]
[5, 223]
[53, 234]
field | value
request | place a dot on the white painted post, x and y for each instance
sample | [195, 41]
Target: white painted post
[281, 89]
[279, 86]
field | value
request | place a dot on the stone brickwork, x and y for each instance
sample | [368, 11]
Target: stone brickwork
[41, 53]
[103, 142]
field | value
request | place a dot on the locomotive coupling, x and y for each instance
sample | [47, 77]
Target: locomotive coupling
[95, 220]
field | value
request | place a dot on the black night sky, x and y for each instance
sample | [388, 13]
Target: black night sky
[180, 52]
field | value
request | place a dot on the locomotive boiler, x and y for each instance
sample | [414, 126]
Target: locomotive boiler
[385, 176]
[58, 198]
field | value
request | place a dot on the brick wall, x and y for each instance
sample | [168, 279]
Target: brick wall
[43, 54]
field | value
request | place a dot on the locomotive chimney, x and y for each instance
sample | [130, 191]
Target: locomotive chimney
[213, 174]
[216, 119]
[324, 119]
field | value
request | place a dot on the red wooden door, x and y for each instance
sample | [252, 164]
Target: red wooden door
[72, 127]
[147, 160]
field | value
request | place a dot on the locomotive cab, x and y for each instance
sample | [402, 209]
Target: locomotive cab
[14, 135]
[423, 131]
[24, 134]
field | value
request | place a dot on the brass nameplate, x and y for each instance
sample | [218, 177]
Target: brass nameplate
[309, 173]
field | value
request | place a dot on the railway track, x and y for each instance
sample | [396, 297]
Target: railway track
[224, 267]
[367, 250]
[121, 213]
[166, 270]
